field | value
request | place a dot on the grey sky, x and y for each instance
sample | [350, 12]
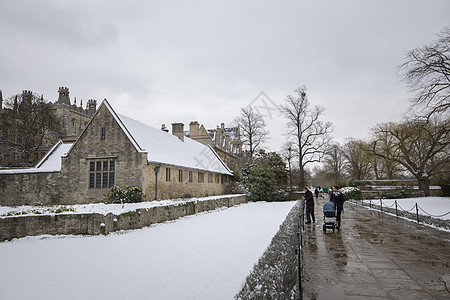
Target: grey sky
[178, 61]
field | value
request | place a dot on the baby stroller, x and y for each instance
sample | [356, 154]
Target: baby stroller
[329, 212]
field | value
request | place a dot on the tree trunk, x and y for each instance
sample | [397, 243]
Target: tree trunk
[424, 185]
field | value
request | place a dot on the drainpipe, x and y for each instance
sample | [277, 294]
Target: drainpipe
[156, 169]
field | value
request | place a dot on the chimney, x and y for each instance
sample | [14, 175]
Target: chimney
[164, 128]
[193, 129]
[178, 130]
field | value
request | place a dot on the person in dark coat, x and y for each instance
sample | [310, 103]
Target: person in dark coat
[309, 201]
[338, 199]
[316, 192]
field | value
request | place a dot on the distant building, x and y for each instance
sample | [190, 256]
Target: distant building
[226, 141]
[115, 150]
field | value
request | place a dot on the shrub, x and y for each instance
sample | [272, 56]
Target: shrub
[351, 193]
[128, 195]
[403, 192]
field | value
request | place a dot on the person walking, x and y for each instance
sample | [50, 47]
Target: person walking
[316, 192]
[338, 199]
[309, 201]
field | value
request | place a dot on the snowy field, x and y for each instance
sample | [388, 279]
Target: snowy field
[206, 256]
[437, 207]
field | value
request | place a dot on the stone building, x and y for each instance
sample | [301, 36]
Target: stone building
[226, 141]
[116, 150]
[73, 118]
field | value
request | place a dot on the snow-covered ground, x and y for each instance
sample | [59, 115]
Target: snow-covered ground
[437, 207]
[206, 256]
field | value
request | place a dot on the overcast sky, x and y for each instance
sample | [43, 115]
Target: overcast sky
[179, 61]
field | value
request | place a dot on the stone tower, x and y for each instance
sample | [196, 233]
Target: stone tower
[27, 97]
[91, 106]
[63, 96]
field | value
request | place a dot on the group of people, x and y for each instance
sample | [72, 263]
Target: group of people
[335, 196]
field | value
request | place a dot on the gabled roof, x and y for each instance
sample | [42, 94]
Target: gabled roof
[51, 162]
[164, 148]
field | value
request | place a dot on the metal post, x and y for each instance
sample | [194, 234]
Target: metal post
[381, 207]
[417, 213]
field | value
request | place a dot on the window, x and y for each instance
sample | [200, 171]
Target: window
[167, 174]
[180, 175]
[190, 176]
[217, 178]
[210, 178]
[102, 174]
[103, 134]
[201, 177]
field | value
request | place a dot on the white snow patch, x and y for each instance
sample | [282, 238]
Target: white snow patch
[206, 256]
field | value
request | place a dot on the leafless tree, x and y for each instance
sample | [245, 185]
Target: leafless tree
[26, 122]
[334, 163]
[359, 162]
[253, 132]
[427, 73]
[308, 134]
[422, 147]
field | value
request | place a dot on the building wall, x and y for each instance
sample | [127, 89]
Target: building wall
[31, 189]
[115, 146]
[72, 184]
[170, 187]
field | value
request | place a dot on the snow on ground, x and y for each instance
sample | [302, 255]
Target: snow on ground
[438, 207]
[206, 256]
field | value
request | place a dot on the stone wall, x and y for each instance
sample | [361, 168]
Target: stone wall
[31, 188]
[95, 224]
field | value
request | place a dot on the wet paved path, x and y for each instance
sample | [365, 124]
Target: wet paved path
[374, 256]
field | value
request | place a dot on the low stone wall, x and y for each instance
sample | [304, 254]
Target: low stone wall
[95, 224]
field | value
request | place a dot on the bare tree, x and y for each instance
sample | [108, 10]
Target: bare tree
[422, 147]
[308, 134]
[26, 122]
[334, 163]
[253, 133]
[384, 168]
[427, 73]
[359, 162]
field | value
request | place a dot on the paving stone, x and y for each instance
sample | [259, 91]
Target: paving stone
[375, 256]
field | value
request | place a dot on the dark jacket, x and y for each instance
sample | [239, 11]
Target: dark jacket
[338, 199]
[309, 198]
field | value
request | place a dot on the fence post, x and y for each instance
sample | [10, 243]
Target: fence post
[396, 211]
[417, 212]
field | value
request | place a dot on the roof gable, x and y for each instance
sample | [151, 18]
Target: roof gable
[164, 148]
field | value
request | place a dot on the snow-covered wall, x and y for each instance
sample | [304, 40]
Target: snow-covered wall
[96, 223]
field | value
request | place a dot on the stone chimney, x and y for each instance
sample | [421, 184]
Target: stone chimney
[164, 128]
[193, 129]
[178, 130]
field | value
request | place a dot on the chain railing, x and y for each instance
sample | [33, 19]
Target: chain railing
[378, 204]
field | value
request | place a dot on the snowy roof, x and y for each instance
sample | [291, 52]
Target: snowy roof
[51, 162]
[165, 148]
